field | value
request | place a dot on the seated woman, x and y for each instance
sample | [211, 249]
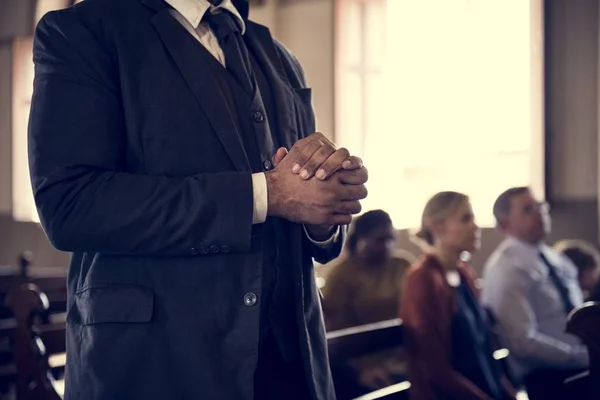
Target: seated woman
[364, 287]
[587, 260]
[448, 340]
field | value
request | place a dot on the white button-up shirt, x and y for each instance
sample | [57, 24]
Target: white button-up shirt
[528, 307]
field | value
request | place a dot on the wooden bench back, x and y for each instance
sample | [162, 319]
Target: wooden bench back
[34, 343]
[48, 321]
[584, 322]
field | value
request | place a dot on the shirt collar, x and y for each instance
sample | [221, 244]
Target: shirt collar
[532, 252]
[514, 242]
[194, 10]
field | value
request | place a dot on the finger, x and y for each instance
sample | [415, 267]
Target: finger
[279, 156]
[301, 144]
[352, 162]
[321, 137]
[332, 164]
[317, 160]
[348, 207]
[353, 177]
[305, 154]
[354, 193]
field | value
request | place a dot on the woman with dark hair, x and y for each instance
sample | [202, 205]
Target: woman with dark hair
[364, 287]
[587, 260]
[446, 333]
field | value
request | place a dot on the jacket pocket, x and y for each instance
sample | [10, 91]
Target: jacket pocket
[305, 95]
[115, 303]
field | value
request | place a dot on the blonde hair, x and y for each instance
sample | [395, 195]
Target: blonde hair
[437, 209]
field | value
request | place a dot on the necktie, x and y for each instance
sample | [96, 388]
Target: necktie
[237, 59]
[560, 286]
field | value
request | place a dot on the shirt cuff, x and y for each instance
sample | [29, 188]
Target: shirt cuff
[325, 243]
[261, 198]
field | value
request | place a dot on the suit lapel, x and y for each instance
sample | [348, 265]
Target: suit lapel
[260, 41]
[197, 74]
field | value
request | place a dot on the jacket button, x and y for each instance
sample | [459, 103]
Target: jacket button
[214, 249]
[267, 165]
[225, 249]
[258, 117]
[204, 250]
[250, 299]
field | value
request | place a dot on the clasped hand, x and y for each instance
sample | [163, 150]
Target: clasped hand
[315, 183]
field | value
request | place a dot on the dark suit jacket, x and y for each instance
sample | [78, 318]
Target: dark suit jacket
[137, 168]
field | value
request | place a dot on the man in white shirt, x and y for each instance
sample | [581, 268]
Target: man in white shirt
[153, 130]
[530, 290]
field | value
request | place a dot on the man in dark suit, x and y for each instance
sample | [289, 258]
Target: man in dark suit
[152, 131]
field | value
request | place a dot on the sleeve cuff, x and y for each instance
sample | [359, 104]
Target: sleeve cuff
[326, 243]
[261, 198]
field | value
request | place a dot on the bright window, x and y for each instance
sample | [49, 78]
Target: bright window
[441, 95]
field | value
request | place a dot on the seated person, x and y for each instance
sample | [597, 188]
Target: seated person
[364, 287]
[531, 289]
[587, 260]
[448, 340]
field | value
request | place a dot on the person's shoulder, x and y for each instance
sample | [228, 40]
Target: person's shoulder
[403, 257]
[398, 265]
[510, 265]
[505, 257]
[422, 271]
[85, 37]
[93, 14]
[285, 52]
[291, 63]
[339, 269]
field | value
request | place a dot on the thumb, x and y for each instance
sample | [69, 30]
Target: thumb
[279, 156]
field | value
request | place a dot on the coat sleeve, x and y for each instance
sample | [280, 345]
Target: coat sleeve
[86, 197]
[295, 73]
[420, 314]
[328, 252]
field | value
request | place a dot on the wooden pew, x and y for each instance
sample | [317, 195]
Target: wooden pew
[51, 282]
[584, 322]
[34, 344]
[365, 339]
[362, 340]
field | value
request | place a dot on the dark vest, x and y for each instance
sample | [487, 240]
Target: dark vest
[257, 125]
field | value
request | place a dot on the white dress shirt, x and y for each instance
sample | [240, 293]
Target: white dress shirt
[528, 307]
[189, 13]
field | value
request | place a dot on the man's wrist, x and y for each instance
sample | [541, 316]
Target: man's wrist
[320, 233]
[273, 194]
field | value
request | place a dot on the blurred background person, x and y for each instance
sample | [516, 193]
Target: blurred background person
[364, 287]
[448, 341]
[531, 289]
[587, 260]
